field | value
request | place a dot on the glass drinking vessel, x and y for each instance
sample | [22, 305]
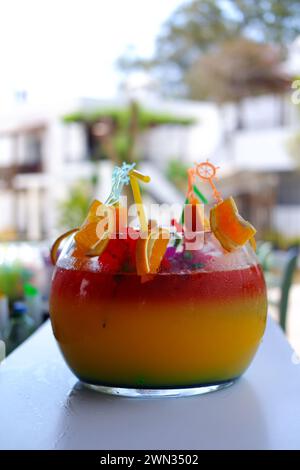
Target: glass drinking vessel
[191, 328]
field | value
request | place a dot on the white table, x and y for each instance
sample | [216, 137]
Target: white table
[41, 407]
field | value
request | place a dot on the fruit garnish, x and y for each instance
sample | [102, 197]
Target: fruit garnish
[150, 251]
[86, 238]
[115, 255]
[93, 236]
[92, 213]
[228, 226]
[108, 221]
[98, 249]
[55, 247]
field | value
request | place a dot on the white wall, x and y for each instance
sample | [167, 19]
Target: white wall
[286, 220]
[6, 210]
[5, 151]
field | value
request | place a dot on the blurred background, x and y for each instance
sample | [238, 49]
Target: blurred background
[88, 84]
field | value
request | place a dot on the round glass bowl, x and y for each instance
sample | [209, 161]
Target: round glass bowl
[192, 328]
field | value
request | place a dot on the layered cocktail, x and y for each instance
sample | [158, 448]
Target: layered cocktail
[190, 324]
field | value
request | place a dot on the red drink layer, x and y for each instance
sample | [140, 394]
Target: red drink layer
[176, 330]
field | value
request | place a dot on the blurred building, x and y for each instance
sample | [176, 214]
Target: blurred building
[257, 165]
[34, 149]
[40, 157]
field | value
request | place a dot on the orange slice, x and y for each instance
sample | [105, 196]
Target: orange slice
[93, 236]
[150, 251]
[93, 239]
[92, 213]
[98, 249]
[228, 226]
[56, 244]
[86, 238]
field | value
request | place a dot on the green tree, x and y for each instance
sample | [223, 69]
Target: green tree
[201, 26]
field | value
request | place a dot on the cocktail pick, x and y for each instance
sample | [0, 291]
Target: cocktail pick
[192, 192]
[207, 172]
[120, 178]
[87, 236]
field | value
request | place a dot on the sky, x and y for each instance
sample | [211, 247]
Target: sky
[58, 49]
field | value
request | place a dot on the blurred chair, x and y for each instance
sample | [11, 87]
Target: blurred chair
[284, 283]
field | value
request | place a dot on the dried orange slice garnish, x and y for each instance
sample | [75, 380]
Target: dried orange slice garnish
[228, 226]
[56, 244]
[150, 251]
[86, 238]
[93, 237]
[98, 249]
[92, 213]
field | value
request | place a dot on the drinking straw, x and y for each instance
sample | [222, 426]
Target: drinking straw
[138, 198]
[182, 213]
[140, 176]
[200, 195]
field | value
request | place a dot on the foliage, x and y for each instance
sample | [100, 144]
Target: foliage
[239, 69]
[281, 241]
[121, 117]
[117, 129]
[176, 172]
[198, 27]
[73, 210]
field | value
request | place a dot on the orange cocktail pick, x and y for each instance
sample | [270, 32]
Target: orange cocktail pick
[207, 172]
[226, 223]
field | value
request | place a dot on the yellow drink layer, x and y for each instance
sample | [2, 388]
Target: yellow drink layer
[176, 330]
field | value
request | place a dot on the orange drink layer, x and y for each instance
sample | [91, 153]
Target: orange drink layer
[176, 330]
